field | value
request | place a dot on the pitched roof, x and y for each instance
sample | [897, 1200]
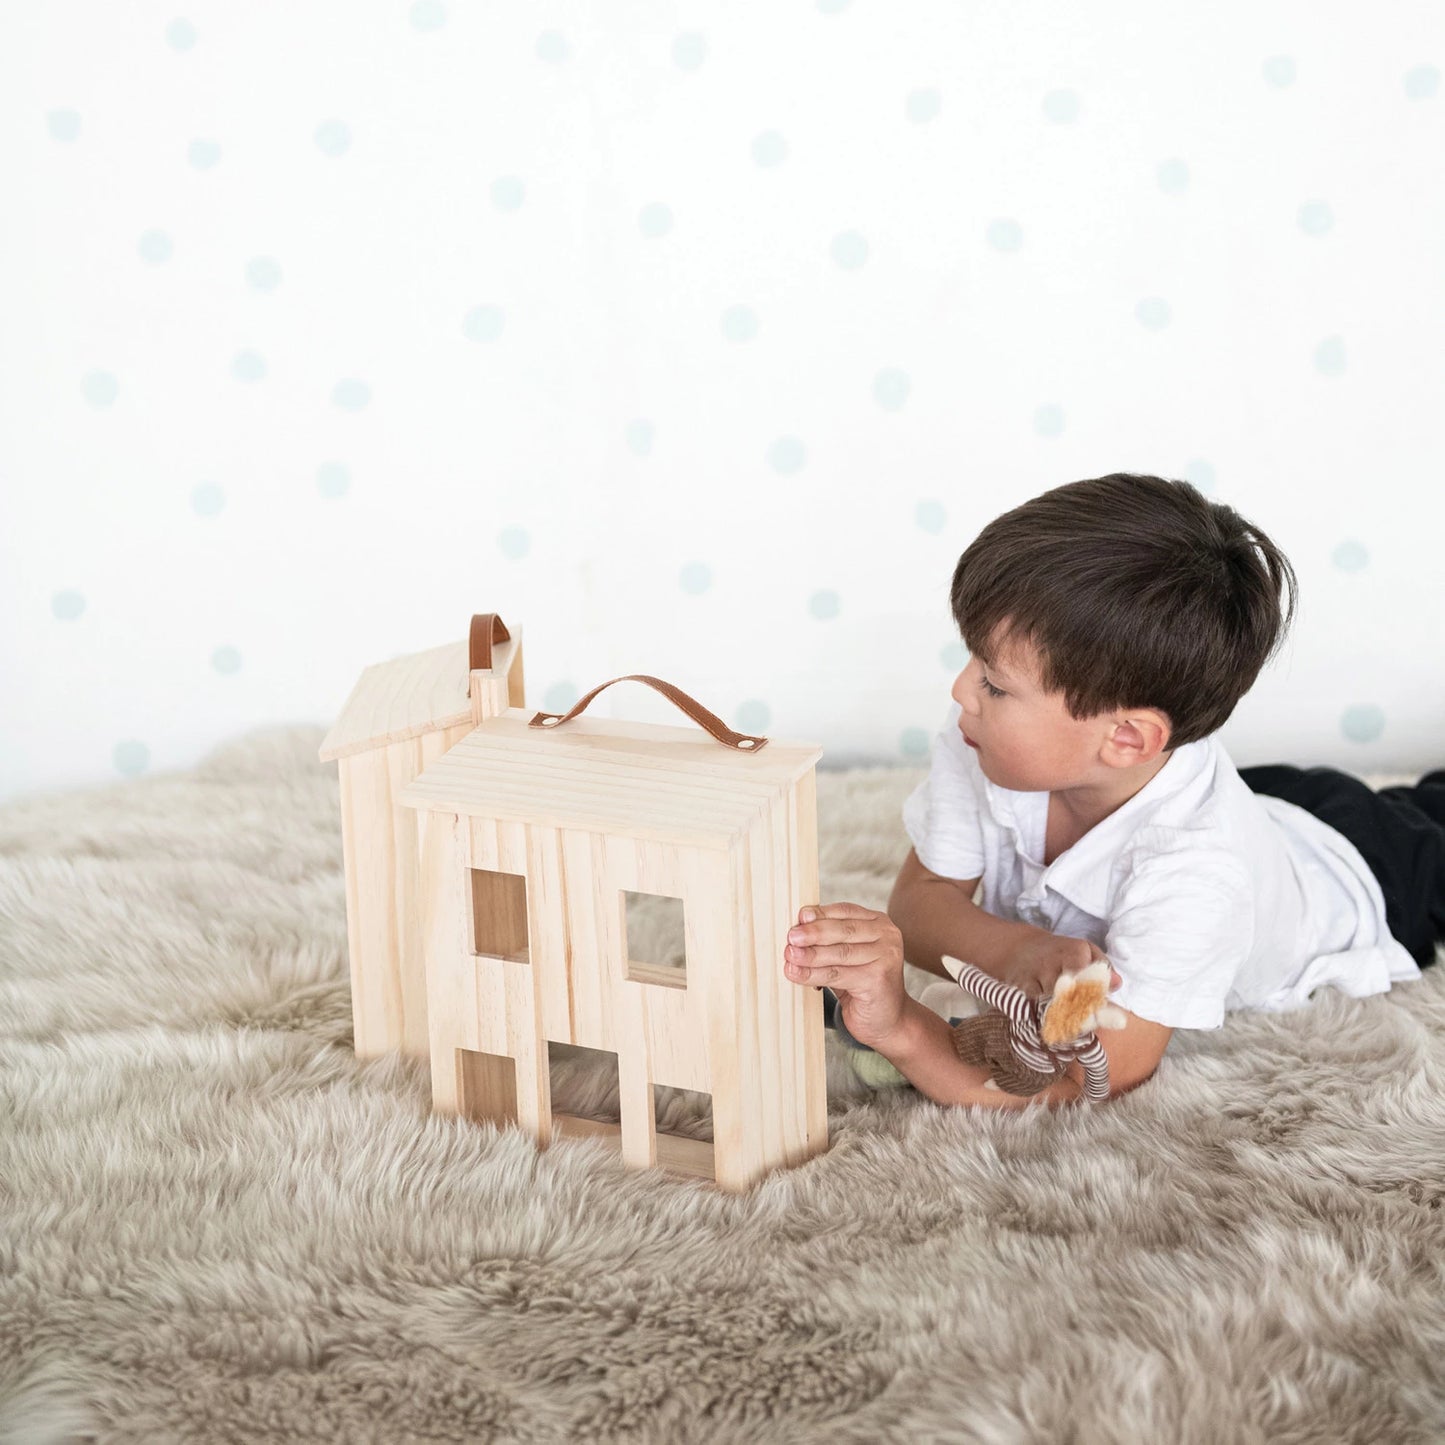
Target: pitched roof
[410, 695]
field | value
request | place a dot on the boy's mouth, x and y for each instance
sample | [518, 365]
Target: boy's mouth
[968, 739]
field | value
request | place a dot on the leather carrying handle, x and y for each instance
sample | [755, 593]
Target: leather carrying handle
[743, 742]
[487, 628]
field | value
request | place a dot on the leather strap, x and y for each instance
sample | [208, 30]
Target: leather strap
[743, 742]
[487, 628]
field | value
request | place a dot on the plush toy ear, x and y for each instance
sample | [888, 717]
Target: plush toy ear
[1093, 973]
[1111, 1016]
[1077, 1001]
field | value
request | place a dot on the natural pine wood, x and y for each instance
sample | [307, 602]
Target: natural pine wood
[586, 815]
[475, 973]
[402, 715]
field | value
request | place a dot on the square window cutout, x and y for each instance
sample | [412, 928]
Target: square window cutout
[656, 937]
[499, 915]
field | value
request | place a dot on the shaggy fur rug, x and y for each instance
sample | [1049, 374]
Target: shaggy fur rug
[216, 1225]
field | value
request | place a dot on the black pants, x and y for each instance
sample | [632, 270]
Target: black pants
[1400, 832]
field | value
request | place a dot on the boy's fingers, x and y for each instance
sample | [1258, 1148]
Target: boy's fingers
[828, 955]
[833, 930]
[834, 910]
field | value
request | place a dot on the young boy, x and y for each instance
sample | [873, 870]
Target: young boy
[1113, 624]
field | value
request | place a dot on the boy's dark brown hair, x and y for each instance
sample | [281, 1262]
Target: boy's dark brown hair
[1137, 591]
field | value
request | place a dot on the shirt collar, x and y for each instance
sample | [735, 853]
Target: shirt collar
[1082, 873]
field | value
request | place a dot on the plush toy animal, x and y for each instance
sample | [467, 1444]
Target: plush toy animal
[1027, 1044]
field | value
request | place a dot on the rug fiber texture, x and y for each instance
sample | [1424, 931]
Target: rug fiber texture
[217, 1225]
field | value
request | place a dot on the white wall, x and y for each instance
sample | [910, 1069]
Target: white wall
[699, 340]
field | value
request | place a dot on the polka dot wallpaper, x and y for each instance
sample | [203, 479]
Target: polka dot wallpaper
[698, 340]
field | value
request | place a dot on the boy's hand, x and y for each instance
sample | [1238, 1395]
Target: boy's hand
[858, 953]
[1035, 964]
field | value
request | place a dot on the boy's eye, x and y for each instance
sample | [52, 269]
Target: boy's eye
[992, 690]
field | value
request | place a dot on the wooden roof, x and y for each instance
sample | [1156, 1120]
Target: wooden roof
[410, 695]
[651, 780]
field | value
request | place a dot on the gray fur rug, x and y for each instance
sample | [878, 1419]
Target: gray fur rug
[216, 1225]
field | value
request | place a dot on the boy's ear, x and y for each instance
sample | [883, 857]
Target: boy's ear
[1138, 736]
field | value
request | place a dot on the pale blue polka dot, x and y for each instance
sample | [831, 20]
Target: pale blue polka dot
[428, 15]
[226, 661]
[67, 605]
[1315, 218]
[1350, 556]
[930, 515]
[263, 274]
[640, 436]
[552, 47]
[1200, 474]
[923, 106]
[63, 124]
[351, 394]
[507, 193]
[1330, 356]
[333, 479]
[333, 138]
[890, 388]
[561, 696]
[787, 455]
[1362, 723]
[483, 323]
[1049, 420]
[833, 7]
[695, 578]
[1153, 312]
[849, 250]
[689, 51]
[769, 149]
[514, 542]
[753, 715]
[207, 500]
[1422, 82]
[155, 248]
[1279, 71]
[100, 388]
[1173, 176]
[823, 605]
[1062, 106]
[181, 36]
[203, 154]
[130, 758]
[740, 323]
[954, 657]
[654, 219]
[913, 743]
[248, 366]
[1005, 234]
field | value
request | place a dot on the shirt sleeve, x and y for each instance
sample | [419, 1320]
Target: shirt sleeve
[943, 814]
[1181, 930]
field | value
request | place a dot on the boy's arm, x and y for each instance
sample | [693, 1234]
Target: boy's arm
[922, 1051]
[937, 915]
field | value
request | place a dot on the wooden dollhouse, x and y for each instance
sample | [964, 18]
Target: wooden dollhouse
[535, 834]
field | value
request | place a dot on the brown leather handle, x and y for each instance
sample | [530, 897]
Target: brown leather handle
[743, 742]
[487, 628]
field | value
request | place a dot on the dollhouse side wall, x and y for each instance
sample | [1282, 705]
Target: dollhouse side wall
[383, 923]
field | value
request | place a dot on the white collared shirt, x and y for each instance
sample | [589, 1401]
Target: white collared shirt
[1204, 895]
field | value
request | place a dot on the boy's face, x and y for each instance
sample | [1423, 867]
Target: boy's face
[1025, 739]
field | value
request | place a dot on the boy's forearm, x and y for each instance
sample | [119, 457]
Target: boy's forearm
[922, 1051]
[935, 918]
